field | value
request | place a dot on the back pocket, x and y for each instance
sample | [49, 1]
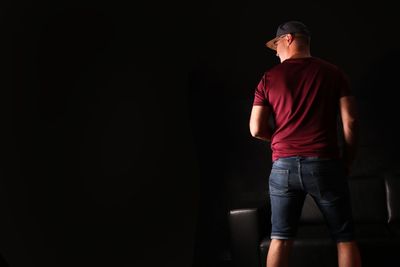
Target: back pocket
[278, 181]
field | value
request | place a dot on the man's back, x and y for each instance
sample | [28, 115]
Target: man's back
[303, 94]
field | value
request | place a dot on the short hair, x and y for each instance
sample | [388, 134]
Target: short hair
[303, 40]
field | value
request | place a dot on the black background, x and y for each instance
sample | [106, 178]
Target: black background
[125, 126]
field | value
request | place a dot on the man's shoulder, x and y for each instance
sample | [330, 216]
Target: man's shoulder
[331, 68]
[274, 69]
[326, 63]
[268, 71]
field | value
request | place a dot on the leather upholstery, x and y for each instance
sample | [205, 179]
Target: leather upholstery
[245, 237]
[368, 199]
[392, 187]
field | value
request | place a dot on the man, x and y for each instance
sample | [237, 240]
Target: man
[306, 97]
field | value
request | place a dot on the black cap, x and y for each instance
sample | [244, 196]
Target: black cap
[292, 26]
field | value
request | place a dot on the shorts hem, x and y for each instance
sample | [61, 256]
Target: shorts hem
[349, 239]
[281, 237]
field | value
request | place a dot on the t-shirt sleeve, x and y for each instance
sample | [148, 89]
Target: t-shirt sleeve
[260, 98]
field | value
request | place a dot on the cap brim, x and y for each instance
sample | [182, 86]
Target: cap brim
[271, 44]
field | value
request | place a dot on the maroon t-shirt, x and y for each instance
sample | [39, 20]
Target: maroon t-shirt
[304, 95]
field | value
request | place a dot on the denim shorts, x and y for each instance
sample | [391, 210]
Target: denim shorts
[292, 178]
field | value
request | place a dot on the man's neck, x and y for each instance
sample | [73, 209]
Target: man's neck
[300, 55]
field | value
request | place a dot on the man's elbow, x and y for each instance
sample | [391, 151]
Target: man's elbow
[351, 126]
[256, 133]
[254, 130]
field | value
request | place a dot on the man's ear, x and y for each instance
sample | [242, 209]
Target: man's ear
[289, 39]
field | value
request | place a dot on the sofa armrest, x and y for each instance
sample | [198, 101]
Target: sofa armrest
[392, 186]
[245, 233]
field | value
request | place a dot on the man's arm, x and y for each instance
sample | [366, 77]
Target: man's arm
[259, 123]
[348, 113]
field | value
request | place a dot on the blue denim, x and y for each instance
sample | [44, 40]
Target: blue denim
[292, 178]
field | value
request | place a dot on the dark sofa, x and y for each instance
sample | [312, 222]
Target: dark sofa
[376, 208]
